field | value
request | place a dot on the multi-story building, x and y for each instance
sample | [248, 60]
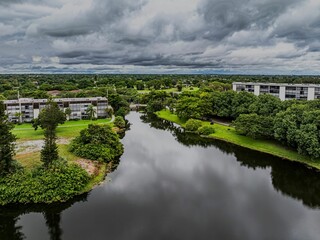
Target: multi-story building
[281, 90]
[26, 109]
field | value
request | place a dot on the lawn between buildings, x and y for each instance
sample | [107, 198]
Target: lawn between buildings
[69, 129]
[229, 134]
[30, 160]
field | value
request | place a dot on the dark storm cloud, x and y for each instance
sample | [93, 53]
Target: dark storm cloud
[226, 17]
[186, 34]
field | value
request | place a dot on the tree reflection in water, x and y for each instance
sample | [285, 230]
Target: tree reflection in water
[290, 178]
[9, 216]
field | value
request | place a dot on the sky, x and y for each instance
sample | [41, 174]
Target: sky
[160, 36]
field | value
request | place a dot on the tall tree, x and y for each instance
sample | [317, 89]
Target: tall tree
[7, 140]
[68, 112]
[49, 118]
[90, 111]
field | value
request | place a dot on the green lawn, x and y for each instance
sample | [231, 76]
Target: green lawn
[69, 129]
[229, 134]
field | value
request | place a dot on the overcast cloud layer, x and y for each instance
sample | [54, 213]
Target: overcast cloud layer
[160, 36]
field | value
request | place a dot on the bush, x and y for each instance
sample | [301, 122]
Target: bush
[97, 142]
[192, 125]
[206, 130]
[122, 112]
[119, 122]
[58, 183]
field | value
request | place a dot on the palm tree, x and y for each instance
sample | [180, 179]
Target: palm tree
[19, 115]
[91, 111]
[68, 112]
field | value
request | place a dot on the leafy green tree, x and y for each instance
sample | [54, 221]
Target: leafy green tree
[223, 104]
[122, 112]
[308, 141]
[189, 107]
[140, 85]
[68, 112]
[266, 105]
[254, 125]
[241, 103]
[7, 140]
[179, 87]
[49, 118]
[119, 122]
[155, 105]
[19, 116]
[109, 111]
[193, 125]
[97, 142]
[90, 111]
[117, 102]
[206, 130]
[286, 124]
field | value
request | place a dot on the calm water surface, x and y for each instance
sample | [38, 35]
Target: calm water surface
[172, 185]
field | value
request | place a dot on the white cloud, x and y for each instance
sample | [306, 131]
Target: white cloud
[36, 59]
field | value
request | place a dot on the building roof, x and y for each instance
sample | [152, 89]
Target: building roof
[277, 84]
[31, 100]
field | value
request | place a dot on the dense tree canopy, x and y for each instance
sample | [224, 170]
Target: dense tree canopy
[97, 142]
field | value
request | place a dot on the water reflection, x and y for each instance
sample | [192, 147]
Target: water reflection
[292, 179]
[172, 185]
[9, 230]
[10, 216]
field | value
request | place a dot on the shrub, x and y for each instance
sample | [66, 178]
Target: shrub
[97, 142]
[119, 122]
[122, 112]
[58, 183]
[193, 125]
[206, 130]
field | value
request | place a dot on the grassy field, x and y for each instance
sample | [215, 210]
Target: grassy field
[69, 129]
[229, 134]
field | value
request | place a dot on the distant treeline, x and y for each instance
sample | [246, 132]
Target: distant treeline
[38, 86]
[69, 82]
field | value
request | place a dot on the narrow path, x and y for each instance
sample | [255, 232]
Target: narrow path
[221, 123]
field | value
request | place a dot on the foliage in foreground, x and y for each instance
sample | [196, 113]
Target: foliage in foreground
[7, 140]
[97, 142]
[60, 182]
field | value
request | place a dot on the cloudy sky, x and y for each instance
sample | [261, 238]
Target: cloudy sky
[160, 36]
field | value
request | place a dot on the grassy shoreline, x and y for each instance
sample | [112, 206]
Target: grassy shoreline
[30, 161]
[228, 134]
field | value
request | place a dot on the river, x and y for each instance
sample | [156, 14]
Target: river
[173, 185]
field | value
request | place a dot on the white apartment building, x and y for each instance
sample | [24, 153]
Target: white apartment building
[281, 90]
[26, 109]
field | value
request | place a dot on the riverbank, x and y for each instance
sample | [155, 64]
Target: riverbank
[68, 177]
[228, 134]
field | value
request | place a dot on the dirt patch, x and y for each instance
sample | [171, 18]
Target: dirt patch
[35, 145]
[91, 167]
